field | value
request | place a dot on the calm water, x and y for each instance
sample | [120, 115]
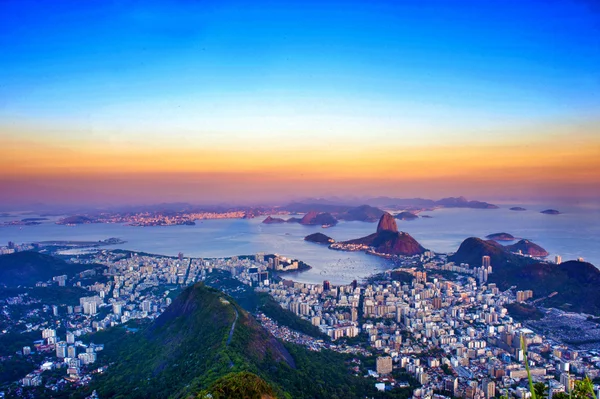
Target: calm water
[572, 234]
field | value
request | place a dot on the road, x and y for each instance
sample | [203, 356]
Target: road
[233, 326]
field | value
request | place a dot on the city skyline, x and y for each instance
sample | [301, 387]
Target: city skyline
[127, 102]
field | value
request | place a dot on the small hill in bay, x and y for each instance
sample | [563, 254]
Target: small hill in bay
[272, 220]
[517, 208]
[319, 238]
[550, 212]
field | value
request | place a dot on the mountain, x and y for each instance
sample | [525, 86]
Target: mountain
[473, 249]
[363, 213]
[527, 247]
[550, 212]
[319, 238]
[462, 202]
[205, 343]
[501, 237]
[387, 223]
[316, 218]
[387, 240]
[575, 283]
[406, 216]
[200, 337]
[272, 220]
[27, 268]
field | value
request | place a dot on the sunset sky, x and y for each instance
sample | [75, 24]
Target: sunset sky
[148, 101]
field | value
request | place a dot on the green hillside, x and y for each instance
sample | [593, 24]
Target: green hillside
[189, 349]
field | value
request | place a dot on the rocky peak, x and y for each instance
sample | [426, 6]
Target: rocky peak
[387, 223]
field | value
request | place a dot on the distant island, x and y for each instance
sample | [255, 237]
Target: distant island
[77, 219]
[272, 220]
[501, 237]
[363, 213]
[316, 218]
[517, 208]
[406, 216]
[319, 238]
[550, 212]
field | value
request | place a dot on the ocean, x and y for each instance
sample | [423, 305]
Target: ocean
[572, 234]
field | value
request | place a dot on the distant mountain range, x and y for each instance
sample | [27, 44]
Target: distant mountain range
[369, 206]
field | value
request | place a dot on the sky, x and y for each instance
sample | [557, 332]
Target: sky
[109, 102]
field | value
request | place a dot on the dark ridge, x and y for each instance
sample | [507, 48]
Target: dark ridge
[272, 220]
[363, 213]
[27, 268]
[406, 216]
[501, 237]
[316, 218]
[550, 212]
[527, 248]
[319, 238]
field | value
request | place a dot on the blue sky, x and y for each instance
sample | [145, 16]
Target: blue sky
[240, 76]
[536, 59]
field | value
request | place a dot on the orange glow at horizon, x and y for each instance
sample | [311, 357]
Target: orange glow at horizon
[31, 166]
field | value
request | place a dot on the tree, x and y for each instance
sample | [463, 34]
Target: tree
[541, 391]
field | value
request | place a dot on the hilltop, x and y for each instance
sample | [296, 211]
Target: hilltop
[27, 268]
[206, 343]
[189, 347]
[527, 247]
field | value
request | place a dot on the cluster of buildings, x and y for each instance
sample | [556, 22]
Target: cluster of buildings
[455, 338]
[167, 219]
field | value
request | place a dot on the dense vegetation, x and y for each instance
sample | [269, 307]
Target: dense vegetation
[27, 268]
[522, 311]
[186, 352]
[572, 285]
